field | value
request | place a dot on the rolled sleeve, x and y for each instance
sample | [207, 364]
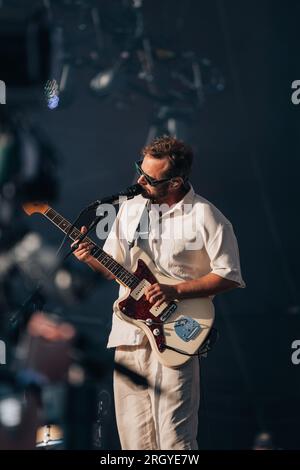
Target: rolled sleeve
[224, 255]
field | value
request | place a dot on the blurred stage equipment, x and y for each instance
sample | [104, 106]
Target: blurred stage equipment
[52, 94]
[104, 405]
[177, 83]
[30, 52]
[44, 43]
[29, 261]
[49, 436]
[42, 358]
[263, 441]
[29, 55]
[49, 398]
[28, 170]
[182, 81]
[48, 44]
[28, 162]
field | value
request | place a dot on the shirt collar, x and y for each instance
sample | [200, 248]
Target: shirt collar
[185, 201]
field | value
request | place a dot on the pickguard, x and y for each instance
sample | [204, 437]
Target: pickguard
[136, 306]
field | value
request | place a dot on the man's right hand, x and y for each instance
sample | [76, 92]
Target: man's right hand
[83, 252]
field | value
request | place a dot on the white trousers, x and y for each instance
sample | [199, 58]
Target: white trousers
[151, 420]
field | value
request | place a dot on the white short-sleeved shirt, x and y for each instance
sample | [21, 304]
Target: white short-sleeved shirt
[186, 241]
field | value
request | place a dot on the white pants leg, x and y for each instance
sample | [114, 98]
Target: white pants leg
[148, 420]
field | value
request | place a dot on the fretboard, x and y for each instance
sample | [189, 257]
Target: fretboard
[116, 269]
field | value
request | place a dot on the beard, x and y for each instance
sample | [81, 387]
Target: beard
[157, 195]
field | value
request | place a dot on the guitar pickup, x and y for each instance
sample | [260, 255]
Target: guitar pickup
[138, 292]
[167, 312]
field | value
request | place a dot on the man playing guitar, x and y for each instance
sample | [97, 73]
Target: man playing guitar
[191, 242]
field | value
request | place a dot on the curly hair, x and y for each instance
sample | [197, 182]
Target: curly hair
[180, 154]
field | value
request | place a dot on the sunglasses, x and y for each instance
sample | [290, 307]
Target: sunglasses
[149, 179]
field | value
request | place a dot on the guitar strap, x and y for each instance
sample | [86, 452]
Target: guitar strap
[142, 228]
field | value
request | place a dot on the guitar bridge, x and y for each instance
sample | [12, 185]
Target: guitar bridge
[187, 328]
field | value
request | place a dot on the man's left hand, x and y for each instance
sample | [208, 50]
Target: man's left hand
[158, 293]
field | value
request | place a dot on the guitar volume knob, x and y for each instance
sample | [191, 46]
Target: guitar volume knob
[149, 321]
[156, 332]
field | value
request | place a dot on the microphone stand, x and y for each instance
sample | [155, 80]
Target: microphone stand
[114, 199]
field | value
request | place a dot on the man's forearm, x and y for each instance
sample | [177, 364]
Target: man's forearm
[210, 284]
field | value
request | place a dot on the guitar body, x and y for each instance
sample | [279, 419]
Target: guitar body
[187, 324]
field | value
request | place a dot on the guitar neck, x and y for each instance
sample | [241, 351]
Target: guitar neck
[116, 269]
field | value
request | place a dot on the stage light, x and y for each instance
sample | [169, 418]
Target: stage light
[63, 279]
[59, 92]
[53, 102]
[102, 82]
[51, 94]
[10, 412]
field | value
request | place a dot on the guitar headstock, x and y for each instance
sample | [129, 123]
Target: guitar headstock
[35, 208]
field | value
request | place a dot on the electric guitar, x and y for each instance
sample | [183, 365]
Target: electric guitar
[175, 330]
